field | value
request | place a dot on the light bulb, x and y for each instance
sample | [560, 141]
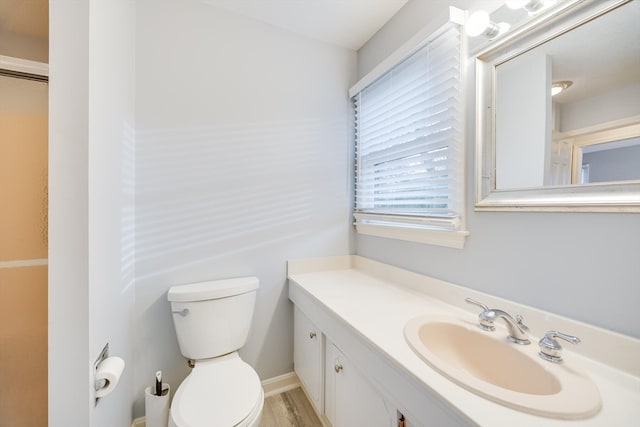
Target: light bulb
[480, 23]
[556, 90]
[558, 87]
[477, 23]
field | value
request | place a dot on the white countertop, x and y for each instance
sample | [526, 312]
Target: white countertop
[376, 301]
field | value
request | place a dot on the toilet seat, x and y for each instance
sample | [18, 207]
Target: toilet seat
[224, 391]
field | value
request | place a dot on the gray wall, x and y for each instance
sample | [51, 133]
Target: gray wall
[242, 163]
[614, 164]
[581, 265]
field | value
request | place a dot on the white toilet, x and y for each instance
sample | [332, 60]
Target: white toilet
[212, 321]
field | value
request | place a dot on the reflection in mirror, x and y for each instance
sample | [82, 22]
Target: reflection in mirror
[597, 65]
[611, 161]
[558, 111]
[605, 153]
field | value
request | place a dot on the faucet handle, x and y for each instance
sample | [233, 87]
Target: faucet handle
[479, 304]
[486, 316]
[550, 348]
[520, 322]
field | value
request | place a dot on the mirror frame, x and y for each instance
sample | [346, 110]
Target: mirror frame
[620, 196]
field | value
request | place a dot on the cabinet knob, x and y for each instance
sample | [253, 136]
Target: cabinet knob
[312, 335]
[338, 368]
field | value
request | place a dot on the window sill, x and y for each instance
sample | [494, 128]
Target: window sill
[450, 239]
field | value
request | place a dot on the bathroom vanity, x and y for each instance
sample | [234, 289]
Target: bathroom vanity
[357, 367]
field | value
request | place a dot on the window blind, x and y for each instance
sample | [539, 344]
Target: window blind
[409, 139]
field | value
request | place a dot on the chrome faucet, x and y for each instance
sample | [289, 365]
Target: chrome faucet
[550, 348]
[517, 329]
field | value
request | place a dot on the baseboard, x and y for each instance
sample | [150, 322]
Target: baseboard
[280, 384]
[271, 387]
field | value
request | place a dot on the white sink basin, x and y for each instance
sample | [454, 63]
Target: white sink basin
[510, 374]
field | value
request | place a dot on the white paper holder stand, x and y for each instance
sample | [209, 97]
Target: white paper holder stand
[156, 408]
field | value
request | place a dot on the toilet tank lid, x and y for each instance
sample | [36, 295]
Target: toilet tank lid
[212, 289]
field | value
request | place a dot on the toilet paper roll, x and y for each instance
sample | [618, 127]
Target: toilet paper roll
[110, 370]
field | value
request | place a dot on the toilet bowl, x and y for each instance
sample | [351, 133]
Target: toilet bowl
[212, 322]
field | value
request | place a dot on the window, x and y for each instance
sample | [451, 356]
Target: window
[409, 146]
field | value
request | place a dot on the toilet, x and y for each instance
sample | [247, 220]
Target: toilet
[212, 321]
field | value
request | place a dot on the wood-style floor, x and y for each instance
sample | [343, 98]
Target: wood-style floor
[289, 409]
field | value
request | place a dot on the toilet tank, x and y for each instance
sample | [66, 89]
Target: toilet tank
[213, 318]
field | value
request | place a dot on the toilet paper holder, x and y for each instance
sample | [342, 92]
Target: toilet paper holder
[107, 372]
[101, 383]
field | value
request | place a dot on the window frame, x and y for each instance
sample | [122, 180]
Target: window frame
[441, 231]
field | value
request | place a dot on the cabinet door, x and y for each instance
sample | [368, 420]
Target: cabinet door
[352, 401]
[307, 358]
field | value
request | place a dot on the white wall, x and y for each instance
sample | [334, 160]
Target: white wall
[111, 197]
[613, 105]
[523, 100]
[91, 207]
[68, 207]
[584, 266]
[242, 151]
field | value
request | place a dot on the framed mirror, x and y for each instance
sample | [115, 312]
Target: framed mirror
[575, 150]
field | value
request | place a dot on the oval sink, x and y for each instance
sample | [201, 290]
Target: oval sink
[510, 374]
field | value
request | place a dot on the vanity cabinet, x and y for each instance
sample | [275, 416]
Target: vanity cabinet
[308, 351]
[337, 388]
[366, 390]
[350, 398]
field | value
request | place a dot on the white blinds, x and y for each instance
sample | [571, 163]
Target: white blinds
[409, 139]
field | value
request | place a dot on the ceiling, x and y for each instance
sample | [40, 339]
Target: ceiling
[600, 56]
[346, 23]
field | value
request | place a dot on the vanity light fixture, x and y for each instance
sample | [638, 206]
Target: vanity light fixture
[558, 87]
[531, 6]
[480, 23]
